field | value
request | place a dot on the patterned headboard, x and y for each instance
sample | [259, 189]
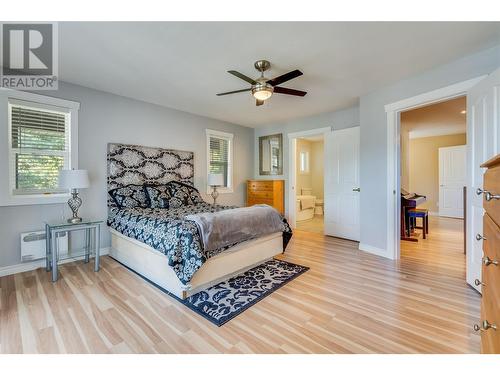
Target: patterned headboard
[132, 164]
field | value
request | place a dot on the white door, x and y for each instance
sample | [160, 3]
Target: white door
[452, 179]
[341, 179]
[483, 122]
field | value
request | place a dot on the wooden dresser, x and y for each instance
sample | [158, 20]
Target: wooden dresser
[490, 302]
[270, 192]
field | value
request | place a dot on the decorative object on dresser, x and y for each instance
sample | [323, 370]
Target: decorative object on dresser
[269, 192]
[74, 179]
[490, 283]
[215, 180]
[271, 155]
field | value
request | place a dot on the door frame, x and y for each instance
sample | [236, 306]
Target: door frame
[292, 178]
[393, 111]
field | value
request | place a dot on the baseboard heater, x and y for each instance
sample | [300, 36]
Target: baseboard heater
[33, 245]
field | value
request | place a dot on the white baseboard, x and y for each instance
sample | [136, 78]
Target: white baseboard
[433, 213]
[373, 250]
[30, 266]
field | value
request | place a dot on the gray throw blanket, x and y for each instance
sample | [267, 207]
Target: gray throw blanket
[228, 227]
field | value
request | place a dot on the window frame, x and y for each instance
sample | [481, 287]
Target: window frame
[228, 137]
[306, 162]
[10, 97]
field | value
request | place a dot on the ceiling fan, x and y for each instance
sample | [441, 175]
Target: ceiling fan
[262, 87]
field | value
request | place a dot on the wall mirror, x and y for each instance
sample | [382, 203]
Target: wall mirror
[271, 154]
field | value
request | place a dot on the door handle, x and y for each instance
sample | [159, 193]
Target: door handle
[356, 189]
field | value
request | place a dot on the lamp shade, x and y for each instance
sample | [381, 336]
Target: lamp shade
[73, 179]
[215, 179]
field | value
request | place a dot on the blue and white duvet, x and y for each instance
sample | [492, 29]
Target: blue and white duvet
[167, 231]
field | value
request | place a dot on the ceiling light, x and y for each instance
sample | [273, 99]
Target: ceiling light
[262, 91]
[463, 112]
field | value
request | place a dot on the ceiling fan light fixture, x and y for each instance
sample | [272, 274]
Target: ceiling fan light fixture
[262, 91]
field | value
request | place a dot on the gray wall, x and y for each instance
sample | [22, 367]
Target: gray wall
[104, 118]
[342, 119]
[374, 133]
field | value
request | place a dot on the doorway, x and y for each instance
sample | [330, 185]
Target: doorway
[483, 144]
[341, 190]
[433, 179]
[309, 188]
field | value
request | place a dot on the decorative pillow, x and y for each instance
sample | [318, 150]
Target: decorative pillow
[183, 195]
[130, 196]
[159, 196]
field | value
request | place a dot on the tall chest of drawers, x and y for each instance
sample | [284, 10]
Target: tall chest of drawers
[490, 301]
[270, 192]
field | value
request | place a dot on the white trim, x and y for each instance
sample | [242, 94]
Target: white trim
[373, 250]
[438, 95]
[30, 266]
[291, 182]
[44, 102]
[393, 185]
[37, 98]
[229, 137]
[307, 133]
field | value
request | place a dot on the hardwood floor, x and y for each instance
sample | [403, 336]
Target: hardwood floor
[314, 225]
[349, 302]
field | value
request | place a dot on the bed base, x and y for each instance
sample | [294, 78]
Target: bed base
[153, 265]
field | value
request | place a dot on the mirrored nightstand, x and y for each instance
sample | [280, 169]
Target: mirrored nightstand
[92, 243]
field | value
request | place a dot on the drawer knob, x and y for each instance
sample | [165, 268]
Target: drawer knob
[479, 237]
[485, 325]
[489, 196]
[477, 282]
[487, 261]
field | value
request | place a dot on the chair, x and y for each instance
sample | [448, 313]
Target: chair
[422, 213]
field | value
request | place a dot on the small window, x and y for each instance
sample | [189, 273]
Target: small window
[220, 158]
[39, 147]
[304, 162]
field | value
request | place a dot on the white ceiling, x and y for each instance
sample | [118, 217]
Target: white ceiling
[183, 65]
[436, 119]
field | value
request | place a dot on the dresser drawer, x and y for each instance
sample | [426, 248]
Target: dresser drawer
[252, 201]
[259, 194]
[492, 184]
[491, 246]
[260, 185]
[490, 312]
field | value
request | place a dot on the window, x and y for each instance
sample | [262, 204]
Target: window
[304, 162]
[41, 140]
[220, 158]
[39, 148]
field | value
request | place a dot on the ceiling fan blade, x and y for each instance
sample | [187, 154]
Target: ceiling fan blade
[284, 90]
[242, 76]
[259, 102]
[232, 92]
[285, 77]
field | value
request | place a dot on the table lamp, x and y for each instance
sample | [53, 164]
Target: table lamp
[74, 179]
[215, 180]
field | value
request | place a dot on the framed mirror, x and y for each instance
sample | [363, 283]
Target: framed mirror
[271, 154]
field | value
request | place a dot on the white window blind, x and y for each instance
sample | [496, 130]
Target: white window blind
[219, 154]
[39, 147]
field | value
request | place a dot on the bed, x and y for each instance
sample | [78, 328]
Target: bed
[162, 245]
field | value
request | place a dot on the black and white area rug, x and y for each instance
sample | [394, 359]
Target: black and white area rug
[222, 302]
[226, 300]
